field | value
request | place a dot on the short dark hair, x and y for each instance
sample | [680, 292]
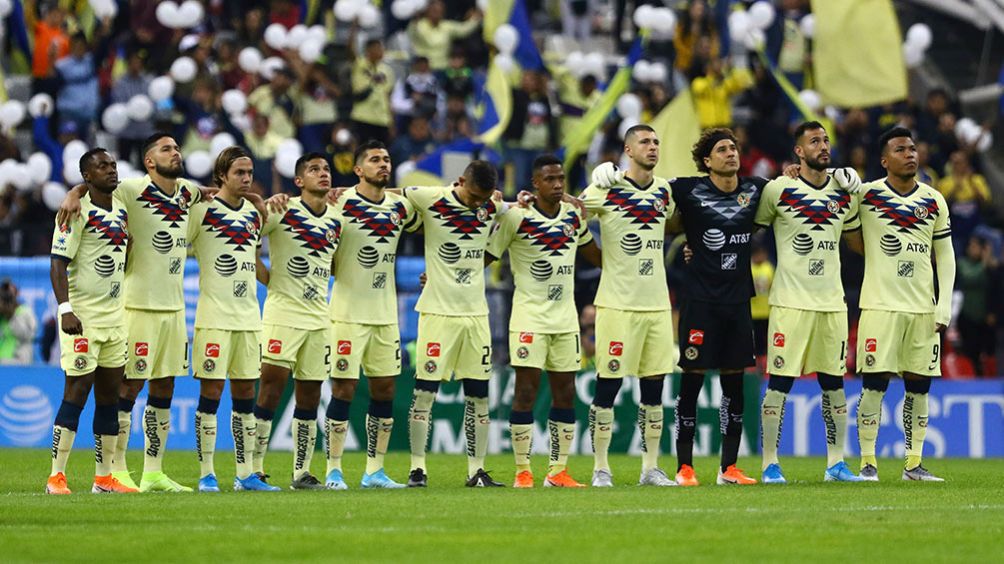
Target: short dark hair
[806, 126]
[224, 160]
[88, 158]
[546, 159]
[367, 146]
[709, 138]
[371, 42]
[634, 129]
[893, 133]
[301, 163]
[481, 174]
[150, 141]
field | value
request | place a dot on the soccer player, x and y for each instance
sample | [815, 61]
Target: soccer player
[157, 206]
[633, 315]
[363, 312]
[88, 267]
[296, 335]
[453, 334]
[902, 317]
[225, 234]
[544, 329]
[807, 330]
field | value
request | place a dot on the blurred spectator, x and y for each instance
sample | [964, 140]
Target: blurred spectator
[944, 142]
[263, 143]
[714, 90]
[695, 37]
[763, 277]
[135, 82]
[975, 321]
[928, 117]
[925, 173]
[967, 195]
[203, 115]
[78, 97]
[753, 161]
[417, 93]
[458, 78]
[341, 150]
[432, 36]
[276, 100]
[415, 143]
[17, 327]
[532, 128]
[456, 123]
[793, 58]
[316, 97]
[587, 336]
[372, 81]
[577, 19]
[858, 160]
[51, 44]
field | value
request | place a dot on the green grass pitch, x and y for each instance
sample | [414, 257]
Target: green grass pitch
[960, 520]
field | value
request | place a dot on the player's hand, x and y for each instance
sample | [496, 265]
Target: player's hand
[208, 194]
[792, 171]
[577, 202]
[259, 205]
[335, 193]
[688, 253]
[422, 279]
[70, 208]
[71, 324]
[525, 198]
[606, 175]
[497, 198]
[848, 180]
[278, 203]
[940, 327]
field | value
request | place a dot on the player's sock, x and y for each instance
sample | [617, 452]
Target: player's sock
[561, 428]
[686, 417]
[521, 434]
[263, 421]
[156, 425]
[915, 411]
[650, 418]
[336, 426]
[205, 434]
[601, 430]
[772, 417]
[304, 439]
[870, 416]
[419, 417]
[834, 408]
[730, 415]
[379, 424]
[106, 430]
[64, 430]
[122, 439]
[244, 427]
[476, 423]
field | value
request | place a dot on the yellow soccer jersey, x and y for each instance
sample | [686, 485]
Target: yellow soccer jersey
[899, 232]
[632, 229]
[94, 244]
[365, 290]
[301, 247]
[225, 241]
[808, 221]
[542, 258]
[455, 241]
[158, 224]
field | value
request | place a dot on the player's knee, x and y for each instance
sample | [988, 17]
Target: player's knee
[212, 389]
[525, 396]
[382, 388]
[208, 405]
[606, 392]
[130, 389]
[344, 389]
[243, 389]
[917, 385]
[783, 384]
[269, 396]
[875, 382]
[68, 415]
[475, 388]
[563, 397]
[308, 395]
[651, 390]
[163, 387]
[829, 383]
[77, 389]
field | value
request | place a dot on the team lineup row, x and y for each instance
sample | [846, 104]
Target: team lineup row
[122, 321]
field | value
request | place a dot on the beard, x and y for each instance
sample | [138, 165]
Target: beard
[169, 171]
[643, 163]
[816, 164]
[378, 181]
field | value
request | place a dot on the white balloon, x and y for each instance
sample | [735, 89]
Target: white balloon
[664, 20]
[739, 24]
[73, 151]
[199, 164]
[71, 173]
[102, 8]
[296, 36]
[811, 99]
[53, 193]
[270, 66]
[242, 122]
[183, 69]
[920, 35]
[629, 106]
[311, 50]
[249, 59]
[12, 113]
[506, 38]
[403, 9]
[574, 62]
[41, 104]
[161, 88]
[658, 73]
[762, 14]
[643, 16]
[808, 25]
[7, 170]
[190, 13]
[347, 10]
[318, 33]
[168, 14]
[626, 124]
[6, 7]
[343, 136]
[913, 55]
[276, 36]
[39, 167]
[642, 71]
[986, 141]
[290, 146]
[369, 16]
[595, 65]
[285, 163]
[115, 118]
[755, 39]
[139, 107]
[234, 101]
[967, 130]
[504, 62]
[21, 177]
[221, 141]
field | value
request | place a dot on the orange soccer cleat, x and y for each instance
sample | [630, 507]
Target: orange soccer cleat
[686, 476]
[56, 484]
[109, 484]
[562, 480]
[733, 475]
[524, 479]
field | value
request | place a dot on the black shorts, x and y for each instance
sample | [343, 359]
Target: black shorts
[715, 336]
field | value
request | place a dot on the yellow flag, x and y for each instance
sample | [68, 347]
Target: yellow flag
[857, 52]
[678, 130]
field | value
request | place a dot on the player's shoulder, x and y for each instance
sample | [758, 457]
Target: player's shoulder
[757, 182]
[927, 191]
[684, 183]
[133, 185]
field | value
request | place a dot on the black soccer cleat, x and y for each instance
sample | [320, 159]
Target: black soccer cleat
[418, 479]
[482, 479]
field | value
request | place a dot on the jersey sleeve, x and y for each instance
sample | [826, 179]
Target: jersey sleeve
[592, 198]
[766, 210]
[420, 197]
[271, 224]
[412, 219]
[942, 223]
[583, 235]
[66, 239]
[196, 214]
[853, 221]
[502, 233]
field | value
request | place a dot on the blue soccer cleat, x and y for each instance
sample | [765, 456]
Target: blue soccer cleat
[773, 475]
[840, 472]
[208, 484]
[253, 483]
[379, 479]
[335, 481]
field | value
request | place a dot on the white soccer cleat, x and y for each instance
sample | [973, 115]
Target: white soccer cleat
[603, 479]
[655, 477]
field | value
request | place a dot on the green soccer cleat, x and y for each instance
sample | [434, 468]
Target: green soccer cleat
[125, 479]
[159, 482]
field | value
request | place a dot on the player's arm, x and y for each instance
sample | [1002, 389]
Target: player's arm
[592, 253]
[260, 270]
[855, 241]
[69, 210]
[500, 237]
[675, 224]
[852, 227]
[69, 322]
[944, 257]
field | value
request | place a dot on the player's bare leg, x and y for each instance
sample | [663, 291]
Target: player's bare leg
[561, 429]
[521, 422]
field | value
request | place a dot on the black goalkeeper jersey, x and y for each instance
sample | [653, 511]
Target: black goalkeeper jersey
[719, 227]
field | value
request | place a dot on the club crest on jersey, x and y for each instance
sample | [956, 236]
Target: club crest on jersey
[870, 360]
[80, 362]
[213, 350]
[274, 346]
[568, 230]
[395, 218]
[342, 365]
[432, 349]
[616, 348]
[691, 353]
[659, 205]
[921, 212]
[779, 362]
[614, 365]
[522, 353]
[482, 214]
[331, 236]
[833, 206]
[743, 200]
[140, 365]
[430, 367]
[80, 345]
[141, 349]
[209, 365]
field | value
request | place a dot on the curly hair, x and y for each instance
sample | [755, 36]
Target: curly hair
[709, 138]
